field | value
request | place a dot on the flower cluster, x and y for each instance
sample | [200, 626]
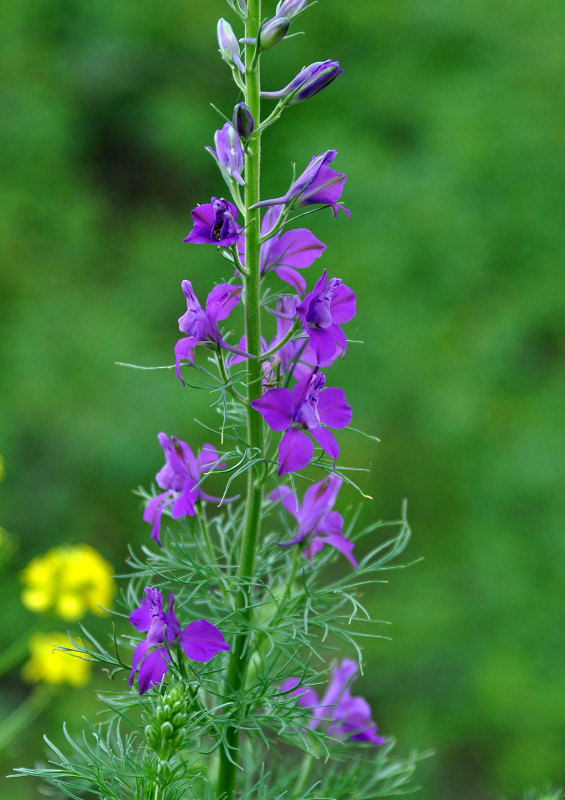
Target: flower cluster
[343, 715]
[49, 663]
[71, 580]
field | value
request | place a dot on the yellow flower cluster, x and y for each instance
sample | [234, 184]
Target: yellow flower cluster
[71, 579]
[54, 666]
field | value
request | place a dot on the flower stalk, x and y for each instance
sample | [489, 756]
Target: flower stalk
[238, 662]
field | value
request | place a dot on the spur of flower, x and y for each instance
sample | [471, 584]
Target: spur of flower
[180, 478]
[201, 325]
[305, 408]
[329, 305]
[285, 253]
[319, 184]
[214, 223]
[200, 640]
[344, 716]
[318, 525]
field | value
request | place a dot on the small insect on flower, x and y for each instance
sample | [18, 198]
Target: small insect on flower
[47, 664]
[71, 580]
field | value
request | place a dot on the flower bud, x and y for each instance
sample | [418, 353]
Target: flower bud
[291, 8]
[228, 45]
[243, 120]
[273, 31]
[167, 730]
[311, 80]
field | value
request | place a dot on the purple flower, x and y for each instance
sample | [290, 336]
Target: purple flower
[179, 477]
[291, 8]
[228, 154]
[316, 521]
[319, 184]
[202, 325]
[214, 223]
[309, 81]
[327, 306]
[273, 31]
[346, 717]
[200, 640]
[296, 356]
[228, 45]
[306, 407]
[284, 253]
[242, 120]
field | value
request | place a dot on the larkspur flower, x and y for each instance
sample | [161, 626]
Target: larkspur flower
[273, 31]
[318, 525]
[179, 477]
[296, 356]
[309, 81]
[228, 153]
[345, 716]
[202, 325]
[306, 407]
[329, 305]
[319, 184]
[285, 253]
[200, 640]
[291, 8]
[214, 223]
[242, 120]
[228, 45]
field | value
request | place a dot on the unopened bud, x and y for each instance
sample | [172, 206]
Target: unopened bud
[228, 44]
[290, 8]
[243, 120]
[312, 80]
[167, 730]
[273, 31]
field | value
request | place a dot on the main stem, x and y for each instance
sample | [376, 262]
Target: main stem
[239, 655]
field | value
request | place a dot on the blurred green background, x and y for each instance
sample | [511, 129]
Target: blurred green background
[450, 123]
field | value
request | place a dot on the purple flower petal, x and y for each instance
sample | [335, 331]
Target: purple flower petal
[327, 442]
[153, 668]
[295, 451]
[184, 503]
[221, 301]
[201, 640]
[276, 407]
[138, 654]
[154, 511]
[307, 697]
[292, 277]
[184, 348]
[333, 408]
[287, 499]
[336, 540]
[318, 499]
[323, 343]
[343, 304]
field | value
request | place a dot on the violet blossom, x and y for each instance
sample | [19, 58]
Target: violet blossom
[214, 223]
[346, 717]
[180, 477]
[319, 184]
[200, 640]
[228, 153]
[323, 310]
[285, 253]
[291, 8]
[318, 525]
[306, 407]
[202, 325]
[309, 81]
[228, 45]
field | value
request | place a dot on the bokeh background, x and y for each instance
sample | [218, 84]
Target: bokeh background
[450, 122]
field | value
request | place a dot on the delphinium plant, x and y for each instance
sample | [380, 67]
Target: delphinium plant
[245, 610]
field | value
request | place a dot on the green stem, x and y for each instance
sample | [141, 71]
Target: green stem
[226, 379]
[303, 776]
[288, 336]
[239, 654]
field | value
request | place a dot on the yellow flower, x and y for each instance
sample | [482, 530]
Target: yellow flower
[54, 666]
[71, 579]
